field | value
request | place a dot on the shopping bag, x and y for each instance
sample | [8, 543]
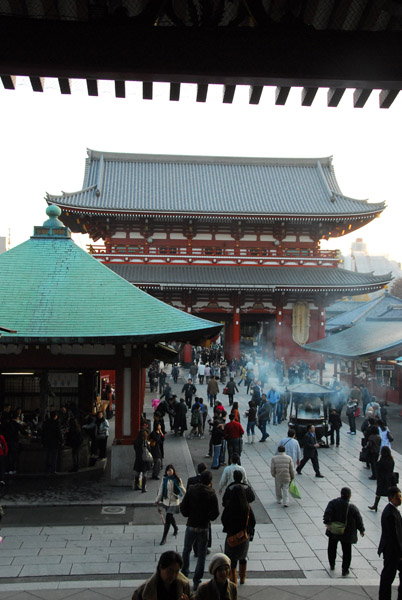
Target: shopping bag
[294, 490]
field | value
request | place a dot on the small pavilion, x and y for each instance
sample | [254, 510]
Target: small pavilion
[73, 317]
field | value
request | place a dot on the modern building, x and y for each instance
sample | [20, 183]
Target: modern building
[236, 240]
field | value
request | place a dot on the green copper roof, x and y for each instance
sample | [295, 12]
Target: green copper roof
[51, 290]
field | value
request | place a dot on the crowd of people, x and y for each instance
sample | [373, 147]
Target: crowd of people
[54, 430]
[191, 414]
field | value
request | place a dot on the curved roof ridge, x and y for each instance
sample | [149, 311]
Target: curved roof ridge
[66, 194]
[325, 161]
[362, 200]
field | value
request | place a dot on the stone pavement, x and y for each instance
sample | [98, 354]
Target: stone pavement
[287, 557]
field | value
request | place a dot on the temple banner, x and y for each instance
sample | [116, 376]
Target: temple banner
[300, 323]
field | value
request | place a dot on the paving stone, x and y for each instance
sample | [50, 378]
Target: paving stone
[101, 568]
[37, 560]
[45, 570]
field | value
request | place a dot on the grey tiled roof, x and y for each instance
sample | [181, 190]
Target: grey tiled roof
[246, 277]
[363, 340]
[372, 308]
[212, 185]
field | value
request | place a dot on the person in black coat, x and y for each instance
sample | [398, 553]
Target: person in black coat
[341, 510]
[385, 469]
[180, 419]
[310, 446]
[335, 421]
[141, 465]
[52, 439]
[391, 545]
[237, 516]
[238, 480]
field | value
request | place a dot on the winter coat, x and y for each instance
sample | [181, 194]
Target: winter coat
[200, 506]
[102, 429]
[234, 521]
[149, 589]
[231, 387]
[140, 466]
[173, 497]
[250, 495]
[180, 421]
[385, 468]
[282, 468]
[210, 591]
[213, 387]
[336, 511]
[373, 444]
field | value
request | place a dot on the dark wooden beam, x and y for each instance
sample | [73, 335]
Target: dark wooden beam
[64, 85]
[202, 91]
[120, 89]
[147, 90]
[255, 94]
[387, 97]
[228, 93]
[281, 95]
[308, 95]
[334, 96]
[37, 83]
[174, 92]
[92, 86]
[8, 82]
[339, 13]
[121, 50]
[360, 97]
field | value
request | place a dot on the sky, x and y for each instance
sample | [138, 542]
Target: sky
[44, 137]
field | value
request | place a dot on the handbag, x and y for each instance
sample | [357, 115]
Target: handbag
[363, 456]
[337, 527]
[225, 391]
[240, 537]
[390, 436]
[146, 455]
[294, 490]
[394, 479]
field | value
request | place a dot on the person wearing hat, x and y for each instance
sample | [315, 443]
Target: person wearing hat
[220, 586]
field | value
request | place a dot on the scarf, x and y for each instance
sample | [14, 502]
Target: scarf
[176, 486]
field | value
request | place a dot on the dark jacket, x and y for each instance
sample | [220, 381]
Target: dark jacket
[180, 420]
[51, 434]
[385, 468]
[335, 421]
[336, 511]
[233, 521]
[391, 532]
[247, 488]
[308, 443]
[374, 444]
[200, 506]
[231, 387]
[189, 390]
[140, 466]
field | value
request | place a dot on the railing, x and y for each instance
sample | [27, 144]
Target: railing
[212, 251]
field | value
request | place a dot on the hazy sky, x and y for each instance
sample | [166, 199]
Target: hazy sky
[44, 137]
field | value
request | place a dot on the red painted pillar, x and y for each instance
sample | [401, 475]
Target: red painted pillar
[119, 402]
[137, 395]
[236, 332]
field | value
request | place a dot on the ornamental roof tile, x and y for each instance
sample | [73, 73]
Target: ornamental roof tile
[236, 277]
[51, 290]
[212, 185]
